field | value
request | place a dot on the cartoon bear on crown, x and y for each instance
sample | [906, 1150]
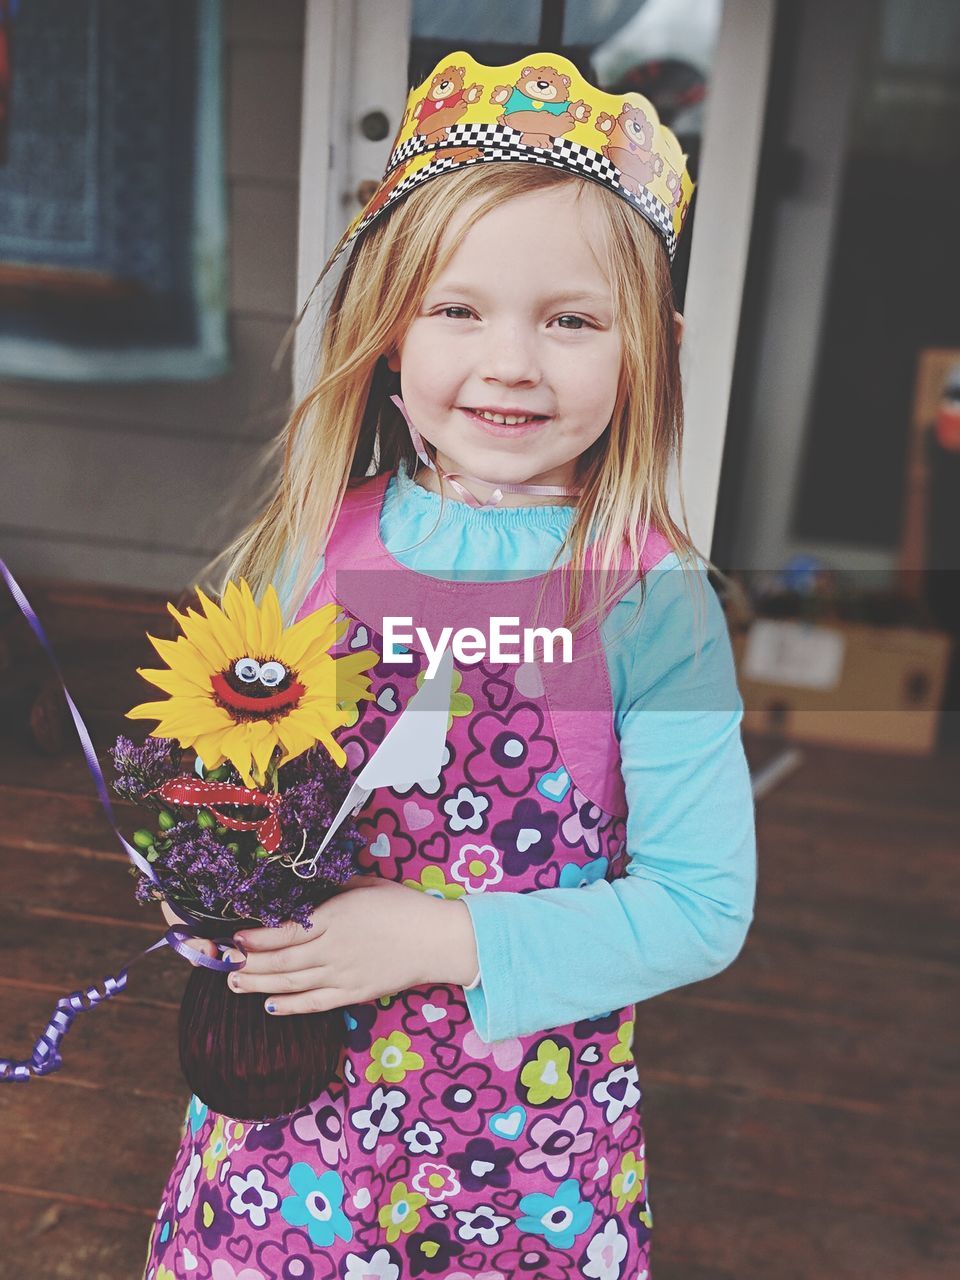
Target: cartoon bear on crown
[629, 146]
[446, 101]
[538, 106]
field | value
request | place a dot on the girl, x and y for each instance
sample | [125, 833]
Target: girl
[497, 408]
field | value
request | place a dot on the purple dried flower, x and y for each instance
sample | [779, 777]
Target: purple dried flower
[220, 872]
[141, 770]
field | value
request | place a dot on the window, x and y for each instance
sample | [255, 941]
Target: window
[112, 204]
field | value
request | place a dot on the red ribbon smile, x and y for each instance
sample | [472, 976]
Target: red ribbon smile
[242, 702]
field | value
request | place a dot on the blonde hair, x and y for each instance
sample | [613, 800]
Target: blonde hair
[346, 426]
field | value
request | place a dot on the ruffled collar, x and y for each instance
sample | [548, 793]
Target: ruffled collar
[414, 500]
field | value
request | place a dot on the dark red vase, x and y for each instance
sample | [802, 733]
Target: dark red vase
[244, 1062]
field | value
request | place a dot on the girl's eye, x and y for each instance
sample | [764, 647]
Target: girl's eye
[444, 310]
[581, 322]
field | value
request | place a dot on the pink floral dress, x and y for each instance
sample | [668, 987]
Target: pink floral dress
[438, 1154]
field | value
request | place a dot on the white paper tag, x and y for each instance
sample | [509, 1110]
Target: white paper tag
[794, 653]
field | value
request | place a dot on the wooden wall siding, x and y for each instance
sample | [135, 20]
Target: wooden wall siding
[801, 1108]
[119, 484]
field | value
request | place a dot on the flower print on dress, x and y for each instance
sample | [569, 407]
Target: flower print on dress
[509, 750]
[559, 1218]
[349, 1071]
[388, 848]
[432, 1250]
[497, 688]
[617, 1092]
[465, 810]
[641, 1220]
[364, 1190]
[628, 1180]
[464, 1101]
[481, 1223]
[387, 699]
[211, 1219]
[428, 786]
[251, 1196]
[215, 1151]
[381, 1116]
[224, 1270]
[622, 1051]
[162, 1233]
[574, 876]
[381, 1264]
[532, 1262]
[602, 1024]
[482, 1165]
[293, 1257]
[391, 1059]
[357, 750]
[433, 881]
[599, 1167]
[545, 1077]
[436, 1181]
[605, 1252]
[360, 1019]
[430, 1011]
[317, 1204]
[197, 1112]
[188, 1183]
[402, 1214]
[410, 664]
[583, 826]
[616, 837]
[526, 837]
[461, 704]
[555, 1141]
[477, 866]
[235, 1133]
[320, 1124]
[420, 1139]
[189, 1257]
[265, 1136]
[506, 1054]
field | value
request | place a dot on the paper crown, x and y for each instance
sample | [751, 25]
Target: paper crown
[541, 110]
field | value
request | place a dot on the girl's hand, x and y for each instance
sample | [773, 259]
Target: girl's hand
[374, 938]
[199, 944]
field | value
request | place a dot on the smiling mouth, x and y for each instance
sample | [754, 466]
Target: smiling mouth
[507, 419]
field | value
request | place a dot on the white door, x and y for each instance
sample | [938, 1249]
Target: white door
[356, 60]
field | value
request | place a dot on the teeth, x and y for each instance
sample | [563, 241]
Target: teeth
[508, 420]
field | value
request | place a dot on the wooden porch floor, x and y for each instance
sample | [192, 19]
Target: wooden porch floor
[801, 1108]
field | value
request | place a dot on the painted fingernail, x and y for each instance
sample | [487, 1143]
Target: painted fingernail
[271, 1007]
[234, 982]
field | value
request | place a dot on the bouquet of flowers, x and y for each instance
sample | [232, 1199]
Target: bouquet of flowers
[259, 832]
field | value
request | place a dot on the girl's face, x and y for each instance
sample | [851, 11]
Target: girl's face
[520, 324]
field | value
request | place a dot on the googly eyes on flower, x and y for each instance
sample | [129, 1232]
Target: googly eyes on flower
[250, 671]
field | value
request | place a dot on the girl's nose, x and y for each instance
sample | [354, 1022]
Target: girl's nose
[510, 356]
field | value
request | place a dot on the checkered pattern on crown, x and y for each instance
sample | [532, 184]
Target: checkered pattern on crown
[498, 142]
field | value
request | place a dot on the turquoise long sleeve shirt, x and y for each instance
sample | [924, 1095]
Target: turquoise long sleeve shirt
[681, 914]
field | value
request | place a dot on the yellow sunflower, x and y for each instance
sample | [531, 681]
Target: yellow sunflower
[241, 685]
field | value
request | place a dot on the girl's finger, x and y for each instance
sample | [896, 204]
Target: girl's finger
[320, 1000]
[300, 981]
[307, 955]
[287, 935]
[199, 944]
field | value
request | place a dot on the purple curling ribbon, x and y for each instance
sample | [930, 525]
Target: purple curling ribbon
[46, 1052]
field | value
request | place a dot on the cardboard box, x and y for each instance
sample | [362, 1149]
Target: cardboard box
[843, 683]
